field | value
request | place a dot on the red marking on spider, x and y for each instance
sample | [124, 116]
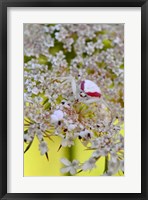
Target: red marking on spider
[93, 94]
[82, 85]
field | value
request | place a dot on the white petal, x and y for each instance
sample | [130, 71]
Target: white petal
[35, 90]
[114, 159]
[39, 135]
[85, 166]
[75, 163]
[113, 168]
[64, 170]
[59, 114]
[72, 171]
[54, 118]
[65, 161]
[71, 127]
[83, 133]
[43, 147]
[89, 164]
[64, 142]
[96, 154]
[27, 137]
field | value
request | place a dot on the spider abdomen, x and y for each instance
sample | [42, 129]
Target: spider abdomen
[90, 88]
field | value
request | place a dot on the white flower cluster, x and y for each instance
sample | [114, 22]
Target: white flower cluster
[58, 58]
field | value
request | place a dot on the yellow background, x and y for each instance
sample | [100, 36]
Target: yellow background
[37, 165]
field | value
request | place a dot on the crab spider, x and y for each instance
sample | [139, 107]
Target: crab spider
[85, 88]
[93, 91]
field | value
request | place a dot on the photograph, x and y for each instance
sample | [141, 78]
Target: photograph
[73, 99]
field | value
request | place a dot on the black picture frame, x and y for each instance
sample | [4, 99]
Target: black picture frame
[4, 4]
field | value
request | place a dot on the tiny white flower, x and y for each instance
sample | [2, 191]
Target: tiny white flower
[85, 134]
[96, 153]
[43, 147]
[113, 168]
[89, 164]
[90, 48]
[70, 166]
[95, 143]
[59, 114]
[35, 90]
[117, 40]
[54, 118]
[71, 127]
[39, 134]
[38, 99]
[100, 152]
[114, 157]
[27, 138]
[68, 141]
[81, 126]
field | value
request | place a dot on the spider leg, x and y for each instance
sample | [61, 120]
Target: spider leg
[74, 87]
[108, 107]
[105, 104]
[70, 79]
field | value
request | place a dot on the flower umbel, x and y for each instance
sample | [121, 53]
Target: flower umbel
[74, 95]
[70, 167]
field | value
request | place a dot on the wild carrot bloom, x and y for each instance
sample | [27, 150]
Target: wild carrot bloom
[74, 91]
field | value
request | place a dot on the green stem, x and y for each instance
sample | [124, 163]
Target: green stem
[106, 164]
[70, 156]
